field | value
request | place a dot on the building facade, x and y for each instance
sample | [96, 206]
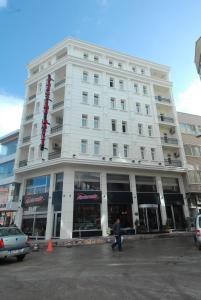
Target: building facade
[190, 126]
[198, 56]
[112, 147]
[8, 188]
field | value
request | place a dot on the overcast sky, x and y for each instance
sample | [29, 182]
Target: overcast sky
[164, 31]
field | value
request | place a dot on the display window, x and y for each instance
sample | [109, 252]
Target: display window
[122, 211]
[34, 225]
[87, 217]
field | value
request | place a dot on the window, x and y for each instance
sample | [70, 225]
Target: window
[120, 65]
[110, 62]
[8, 148]
[195, 150]
[121, 84]
[147, 109]
[96, 58]
[85, 56]
[142, 152]
[96, 148]
[144, 89]
[115, 149]
[84, 146]
[35, 129]
[140, 129]
[85, 76]
[37, 107]
[84, 120]
[114, 125]
[37, 185]
[118, 182]
[145, 184]
[123, 105]
[134, 69]
[125, 150]
[32, 153]
[111, 82]
[187, 149]
[6, 169]
[96, 122]
[124, 126]
[40, 87]
[84, 97]
[150, 129]
[59, 182]
[87, 181]
[136, 90]
[138, 108]
[113, 103]
[142, 71]
[96, 99]
[96, 78]
[170, 185]
[153, 153]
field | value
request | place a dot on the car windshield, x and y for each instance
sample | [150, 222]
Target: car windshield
[9, 231]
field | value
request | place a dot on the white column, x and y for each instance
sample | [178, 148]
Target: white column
[104, 205]
[183, 192]
[162, 200]
[135, 211]
[67, 204]
[49, 224]
[19, 213]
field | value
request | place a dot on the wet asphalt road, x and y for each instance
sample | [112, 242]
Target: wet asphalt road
[146, 269]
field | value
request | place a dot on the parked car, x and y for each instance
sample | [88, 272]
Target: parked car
[197, 232]
[13, 243]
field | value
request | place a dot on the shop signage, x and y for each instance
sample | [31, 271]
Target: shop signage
[88, 196]
[3, 197]
[35, 200]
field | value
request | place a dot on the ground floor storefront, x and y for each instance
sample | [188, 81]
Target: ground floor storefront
[83, 202]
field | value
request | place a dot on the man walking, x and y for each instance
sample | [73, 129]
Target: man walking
[117, 234]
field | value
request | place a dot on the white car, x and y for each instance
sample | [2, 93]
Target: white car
[13, 243]
[197, 234]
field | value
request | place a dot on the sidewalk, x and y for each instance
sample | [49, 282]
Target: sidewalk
[109, 239]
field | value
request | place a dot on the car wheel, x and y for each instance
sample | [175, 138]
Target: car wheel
[20, 257]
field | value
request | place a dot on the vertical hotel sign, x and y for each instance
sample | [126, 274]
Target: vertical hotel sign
[45, 113]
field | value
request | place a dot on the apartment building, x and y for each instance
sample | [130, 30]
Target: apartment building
[198, 56]
[112, 147]
[8, 188]
[190, 126]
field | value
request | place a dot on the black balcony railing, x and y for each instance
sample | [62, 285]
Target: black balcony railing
[166, 119]
[169, 141]
[26, 139]
[32, 97]
[174, 163]
[23, 163]
[163, 99]
[56, 128]
[57, 105]
[29, 117]
[59, 82]
[54, 155]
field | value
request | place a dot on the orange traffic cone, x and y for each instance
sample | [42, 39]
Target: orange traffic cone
[49, 246]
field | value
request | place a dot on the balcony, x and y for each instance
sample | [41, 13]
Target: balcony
[173, 163]
[171, 141]
[57, 105]
[28, 117]
[32, 97]
[163, 99]
[165, 119]
[56, 129]
[60, 82]
[26, 139]
[23, 163]
[54, 155]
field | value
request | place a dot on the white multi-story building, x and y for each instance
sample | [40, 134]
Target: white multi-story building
[113, 147]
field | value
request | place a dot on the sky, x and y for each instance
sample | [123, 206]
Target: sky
[163, 31]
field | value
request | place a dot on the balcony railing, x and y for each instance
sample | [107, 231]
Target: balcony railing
[57, 105]
[163, 99]
[169, 141]
[56, 128]
[29, 117]
[32, 97]
[26, 139]
[171, 162]
[23, 163]
[166, 119]
[59, 82]
[54, 155]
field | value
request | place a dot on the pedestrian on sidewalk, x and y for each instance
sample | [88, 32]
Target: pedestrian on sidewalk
[117, 233]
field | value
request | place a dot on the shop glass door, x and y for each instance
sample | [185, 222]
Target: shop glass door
[149, 218]
[56, 224]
